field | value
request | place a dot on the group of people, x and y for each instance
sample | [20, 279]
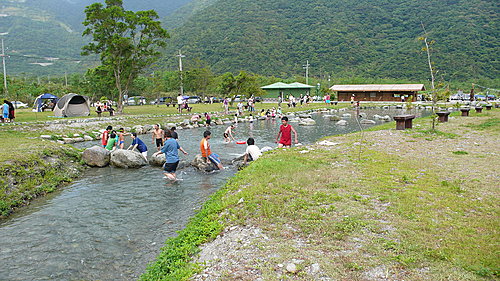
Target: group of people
[166, 142]
[8, 112]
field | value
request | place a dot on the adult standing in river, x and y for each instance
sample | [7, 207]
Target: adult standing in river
[170, 149]
[284, 138]
[158, 136]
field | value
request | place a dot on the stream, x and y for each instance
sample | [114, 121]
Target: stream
[111, 223]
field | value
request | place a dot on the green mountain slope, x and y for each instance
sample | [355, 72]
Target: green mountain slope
[52, 28]
[370, 38]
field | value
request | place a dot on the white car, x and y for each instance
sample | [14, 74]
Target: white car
[19, 104]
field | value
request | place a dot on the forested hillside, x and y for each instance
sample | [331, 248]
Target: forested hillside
[368, 38]
[52, 28]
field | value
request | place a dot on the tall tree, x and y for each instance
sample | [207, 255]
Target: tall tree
[126, 41]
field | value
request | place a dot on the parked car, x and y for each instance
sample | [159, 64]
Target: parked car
[239, 98]
[258, 99]
[163, 100]
[194, 99]
[137, 100]
[19, 104]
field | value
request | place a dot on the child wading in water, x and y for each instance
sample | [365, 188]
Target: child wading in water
[286, 134]
[172, 156]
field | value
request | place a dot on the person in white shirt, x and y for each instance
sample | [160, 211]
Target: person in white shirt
[180, 102]
[252, 153]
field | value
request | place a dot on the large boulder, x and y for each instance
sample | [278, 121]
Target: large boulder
[148, 128]
[346, 115]
[307, 122]
[127, 159]
[157, 160]
[96, 156]
[303, 115]
[201, 164]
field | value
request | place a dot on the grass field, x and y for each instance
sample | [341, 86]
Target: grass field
[382, 205]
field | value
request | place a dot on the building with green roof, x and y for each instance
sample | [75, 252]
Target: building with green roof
[296, 89]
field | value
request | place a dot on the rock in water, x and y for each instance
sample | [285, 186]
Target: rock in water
[201, 164]
[334, 118]
[96, 156]
[307, 122]
[127, 159]
[342, 123]
[139, 129]
[157, 160]
[305, 116]
[367, 121]
[346, 115]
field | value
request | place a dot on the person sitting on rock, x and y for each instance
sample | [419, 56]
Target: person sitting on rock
[207, 153]
[140, 145]
[252, 153]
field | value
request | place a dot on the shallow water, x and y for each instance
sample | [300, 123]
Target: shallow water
[112, 222]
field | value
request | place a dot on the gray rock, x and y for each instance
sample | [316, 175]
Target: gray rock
[201, 164]
[387, 118]
[362, 115]
[291, 267]
[127, 159]
[169, 126]
[46, 137]
[342, 123]
[68, 140]
[307, 122]
[148, 128]
[186, 122]
[88, 138]
[346, 115]
[139, 129]
[315, 268]
[157, 160]
[96, 156]
[334, 118]
[294, 120]
[305, 115]
[266, 149]
[219, 122]
[367, 121]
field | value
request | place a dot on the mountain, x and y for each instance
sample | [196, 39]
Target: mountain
[41, 29]
[367, 38]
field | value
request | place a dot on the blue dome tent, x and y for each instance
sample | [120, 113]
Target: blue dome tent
[41, 99]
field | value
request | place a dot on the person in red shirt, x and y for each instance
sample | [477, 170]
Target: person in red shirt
[286, 134]
[105, 136]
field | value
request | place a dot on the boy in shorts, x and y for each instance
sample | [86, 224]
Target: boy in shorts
[286, 134]
[172, 156]
[207, 153]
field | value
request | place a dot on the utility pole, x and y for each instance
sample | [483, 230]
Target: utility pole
[4, 71]
[306, 67]
[180, 55]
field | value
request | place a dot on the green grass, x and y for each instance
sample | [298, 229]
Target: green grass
[439, 222]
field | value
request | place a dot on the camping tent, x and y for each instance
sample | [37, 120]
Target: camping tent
[42, 99]
[72, 105]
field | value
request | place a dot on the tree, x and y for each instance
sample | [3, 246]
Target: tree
[427, 49]
[126, 41]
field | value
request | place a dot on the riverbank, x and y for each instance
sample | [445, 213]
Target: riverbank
[34, 169]
[375, 205]
[33, 164]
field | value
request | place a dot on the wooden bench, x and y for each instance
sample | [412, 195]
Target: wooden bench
[465, 111]
[404, 121]
[479, 109]
[443, 116]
